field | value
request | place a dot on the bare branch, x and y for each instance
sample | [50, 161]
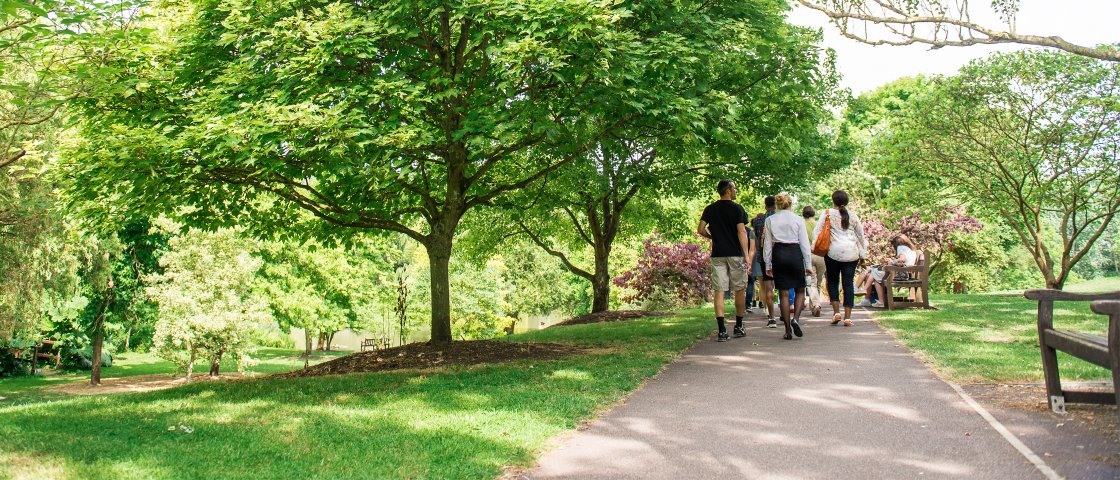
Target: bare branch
[904, 26]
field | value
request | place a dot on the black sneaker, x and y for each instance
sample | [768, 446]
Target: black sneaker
[738, 332]
[770, 323]
[722, 337]
[796, 328]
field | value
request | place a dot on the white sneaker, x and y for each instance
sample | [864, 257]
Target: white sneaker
[864, 303]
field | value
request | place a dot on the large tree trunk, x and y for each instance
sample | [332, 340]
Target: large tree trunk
[439, 260]
[330, 340]
[601, 282]
[307, 343]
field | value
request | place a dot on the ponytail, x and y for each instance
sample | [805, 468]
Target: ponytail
[840, 200]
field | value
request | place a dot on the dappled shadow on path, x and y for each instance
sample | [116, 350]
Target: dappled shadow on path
[838, 403]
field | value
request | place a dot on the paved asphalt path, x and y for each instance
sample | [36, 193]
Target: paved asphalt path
[839, 403]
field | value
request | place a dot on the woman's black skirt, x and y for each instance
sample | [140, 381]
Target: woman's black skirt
[789, 266]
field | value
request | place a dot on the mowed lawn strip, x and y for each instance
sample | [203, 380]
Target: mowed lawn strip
[446, 423]
[264, 361]
[992, 338]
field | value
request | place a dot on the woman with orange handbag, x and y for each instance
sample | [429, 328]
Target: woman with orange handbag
[844, 246]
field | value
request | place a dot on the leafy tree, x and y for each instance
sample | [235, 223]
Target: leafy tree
[208, 299]
[319, 288]
[939, 23]
[1032, 137]
[394, 116]
[754, 101]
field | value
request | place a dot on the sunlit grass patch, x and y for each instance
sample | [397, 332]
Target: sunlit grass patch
[454, 422]
[991, 338]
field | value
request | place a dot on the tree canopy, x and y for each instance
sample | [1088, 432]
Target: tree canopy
[398, 116]
[1032, 137]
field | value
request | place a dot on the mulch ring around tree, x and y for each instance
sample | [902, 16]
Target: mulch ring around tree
[421, 356]
[611, 316]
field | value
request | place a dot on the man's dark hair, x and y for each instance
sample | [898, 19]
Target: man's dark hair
[724, 185]
[808, 212]
[769, 200]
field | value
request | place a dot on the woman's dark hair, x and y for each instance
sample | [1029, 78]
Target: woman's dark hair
[808, 212]
[840, 199]
[902, 239]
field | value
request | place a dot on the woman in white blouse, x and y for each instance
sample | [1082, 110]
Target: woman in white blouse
[788, 261]
[846, 248]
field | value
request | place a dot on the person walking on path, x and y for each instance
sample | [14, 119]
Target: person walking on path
[846, 249]
[814, 287]
[787, 257]
[724, 223]
[766, 283]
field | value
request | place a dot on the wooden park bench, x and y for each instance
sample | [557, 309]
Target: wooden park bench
[375, 343]
[914, 280]
[45, 349]
[1096, 349]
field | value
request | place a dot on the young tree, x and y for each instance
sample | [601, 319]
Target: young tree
[208, 299]
[1033, 137]
[399, 116]
[939, 23]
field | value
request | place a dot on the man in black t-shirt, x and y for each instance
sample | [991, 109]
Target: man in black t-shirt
[724, 222]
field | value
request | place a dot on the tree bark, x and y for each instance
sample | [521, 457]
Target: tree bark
[601, 282]
[307, 343]
[439, 260]
[98, 341]
[216, 364]
[99, 337]
[330, 340]
[190, 365]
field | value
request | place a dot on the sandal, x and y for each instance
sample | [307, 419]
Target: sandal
[836, 319]
[847, 322]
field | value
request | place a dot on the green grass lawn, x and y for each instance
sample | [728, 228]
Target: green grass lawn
[1102, 284]
[992, 338]
[264, 361]
[449, 423]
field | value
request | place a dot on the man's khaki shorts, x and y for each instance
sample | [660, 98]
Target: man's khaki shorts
[728, 273]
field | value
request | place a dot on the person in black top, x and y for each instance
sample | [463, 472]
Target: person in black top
[724, 222]
[766, 287]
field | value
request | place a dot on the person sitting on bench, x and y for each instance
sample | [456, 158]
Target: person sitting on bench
[872, 285]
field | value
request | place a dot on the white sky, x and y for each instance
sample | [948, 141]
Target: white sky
[866, 67]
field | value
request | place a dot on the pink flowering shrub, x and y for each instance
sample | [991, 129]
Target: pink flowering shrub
[668, 274]
[934, 237]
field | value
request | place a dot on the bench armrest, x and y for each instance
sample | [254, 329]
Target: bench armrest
[1052, 295]
[1106, 307]
[900, 269]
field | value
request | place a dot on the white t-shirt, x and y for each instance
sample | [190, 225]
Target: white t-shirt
[910, 257]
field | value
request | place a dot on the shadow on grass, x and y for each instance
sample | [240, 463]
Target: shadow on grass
[452, 423]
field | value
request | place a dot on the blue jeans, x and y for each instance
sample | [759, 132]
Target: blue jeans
[835, 271]
[750, 290]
